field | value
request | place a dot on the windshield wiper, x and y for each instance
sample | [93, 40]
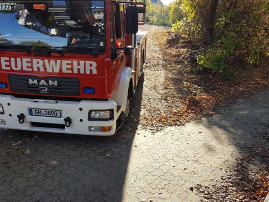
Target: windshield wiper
[11, 47]
[79, 49]
[47, 52]
[31, 49]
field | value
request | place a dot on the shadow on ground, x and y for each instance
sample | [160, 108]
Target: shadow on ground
[245, 124]
[198, 91]
[60, 167]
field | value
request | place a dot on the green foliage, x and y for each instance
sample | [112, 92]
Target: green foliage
[249, 22]
[158, 14]
[189, 21]
[214, 59]
[218, 57]
[176, 12]
[240, 31]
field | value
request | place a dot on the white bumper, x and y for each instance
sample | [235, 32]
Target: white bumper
[77, 111]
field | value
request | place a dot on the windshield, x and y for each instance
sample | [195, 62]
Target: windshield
[69, 26]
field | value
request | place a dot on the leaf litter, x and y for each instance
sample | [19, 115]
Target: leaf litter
[176, 91]
[187, 93]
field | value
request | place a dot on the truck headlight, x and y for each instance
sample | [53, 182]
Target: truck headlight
[100, 115]
[1, 109]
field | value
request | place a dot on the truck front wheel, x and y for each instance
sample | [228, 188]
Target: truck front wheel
[127, 108]
[124, 115]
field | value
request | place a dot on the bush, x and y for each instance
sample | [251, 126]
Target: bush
[219, 57]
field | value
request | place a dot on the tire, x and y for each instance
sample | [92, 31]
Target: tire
[126, 112]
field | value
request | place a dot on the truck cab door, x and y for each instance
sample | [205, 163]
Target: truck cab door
[117, 35]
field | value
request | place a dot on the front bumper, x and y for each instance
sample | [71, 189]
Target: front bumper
[77, 111]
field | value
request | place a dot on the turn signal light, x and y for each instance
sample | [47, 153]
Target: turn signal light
[106, 128]
[89, 90]
[3, 85]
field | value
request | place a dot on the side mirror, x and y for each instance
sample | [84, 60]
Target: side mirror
[131, 20]
[141, 12]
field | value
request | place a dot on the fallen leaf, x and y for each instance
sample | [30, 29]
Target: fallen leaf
[16, 144]
[54, 162]
[262, 192]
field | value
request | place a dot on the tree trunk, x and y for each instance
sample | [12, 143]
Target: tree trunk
[210, 21]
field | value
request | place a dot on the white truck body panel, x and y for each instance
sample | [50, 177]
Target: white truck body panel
[15, 106]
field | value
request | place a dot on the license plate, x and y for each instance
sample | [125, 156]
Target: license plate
[45, 113]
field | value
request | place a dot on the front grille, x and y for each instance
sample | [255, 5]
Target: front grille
[45, 86]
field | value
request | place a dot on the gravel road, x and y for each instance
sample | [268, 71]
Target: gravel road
[136, 164]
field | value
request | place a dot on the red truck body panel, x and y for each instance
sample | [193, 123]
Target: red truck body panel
[98, 73]
[69, 68]
[102, 77]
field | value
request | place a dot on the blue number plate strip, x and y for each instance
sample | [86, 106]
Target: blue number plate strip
[45, 113]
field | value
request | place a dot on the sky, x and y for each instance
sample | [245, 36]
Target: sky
[13, 31]
[166, 2]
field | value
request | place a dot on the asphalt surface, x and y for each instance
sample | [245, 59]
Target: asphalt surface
[49, 167]
[52, 167]
[135, 164]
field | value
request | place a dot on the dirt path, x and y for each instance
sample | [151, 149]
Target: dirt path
[209, 159]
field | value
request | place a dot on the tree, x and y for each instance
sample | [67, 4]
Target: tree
[209, 21]
[158, 14]
[234, 29]
[176, 11]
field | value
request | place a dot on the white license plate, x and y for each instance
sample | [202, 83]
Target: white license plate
[45, 113]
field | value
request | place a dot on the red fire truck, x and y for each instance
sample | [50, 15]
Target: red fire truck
[69, 66]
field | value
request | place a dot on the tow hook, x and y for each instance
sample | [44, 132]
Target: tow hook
[68, 121]
[21, 118]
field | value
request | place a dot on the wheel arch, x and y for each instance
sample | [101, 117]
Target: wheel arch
[122, 93]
